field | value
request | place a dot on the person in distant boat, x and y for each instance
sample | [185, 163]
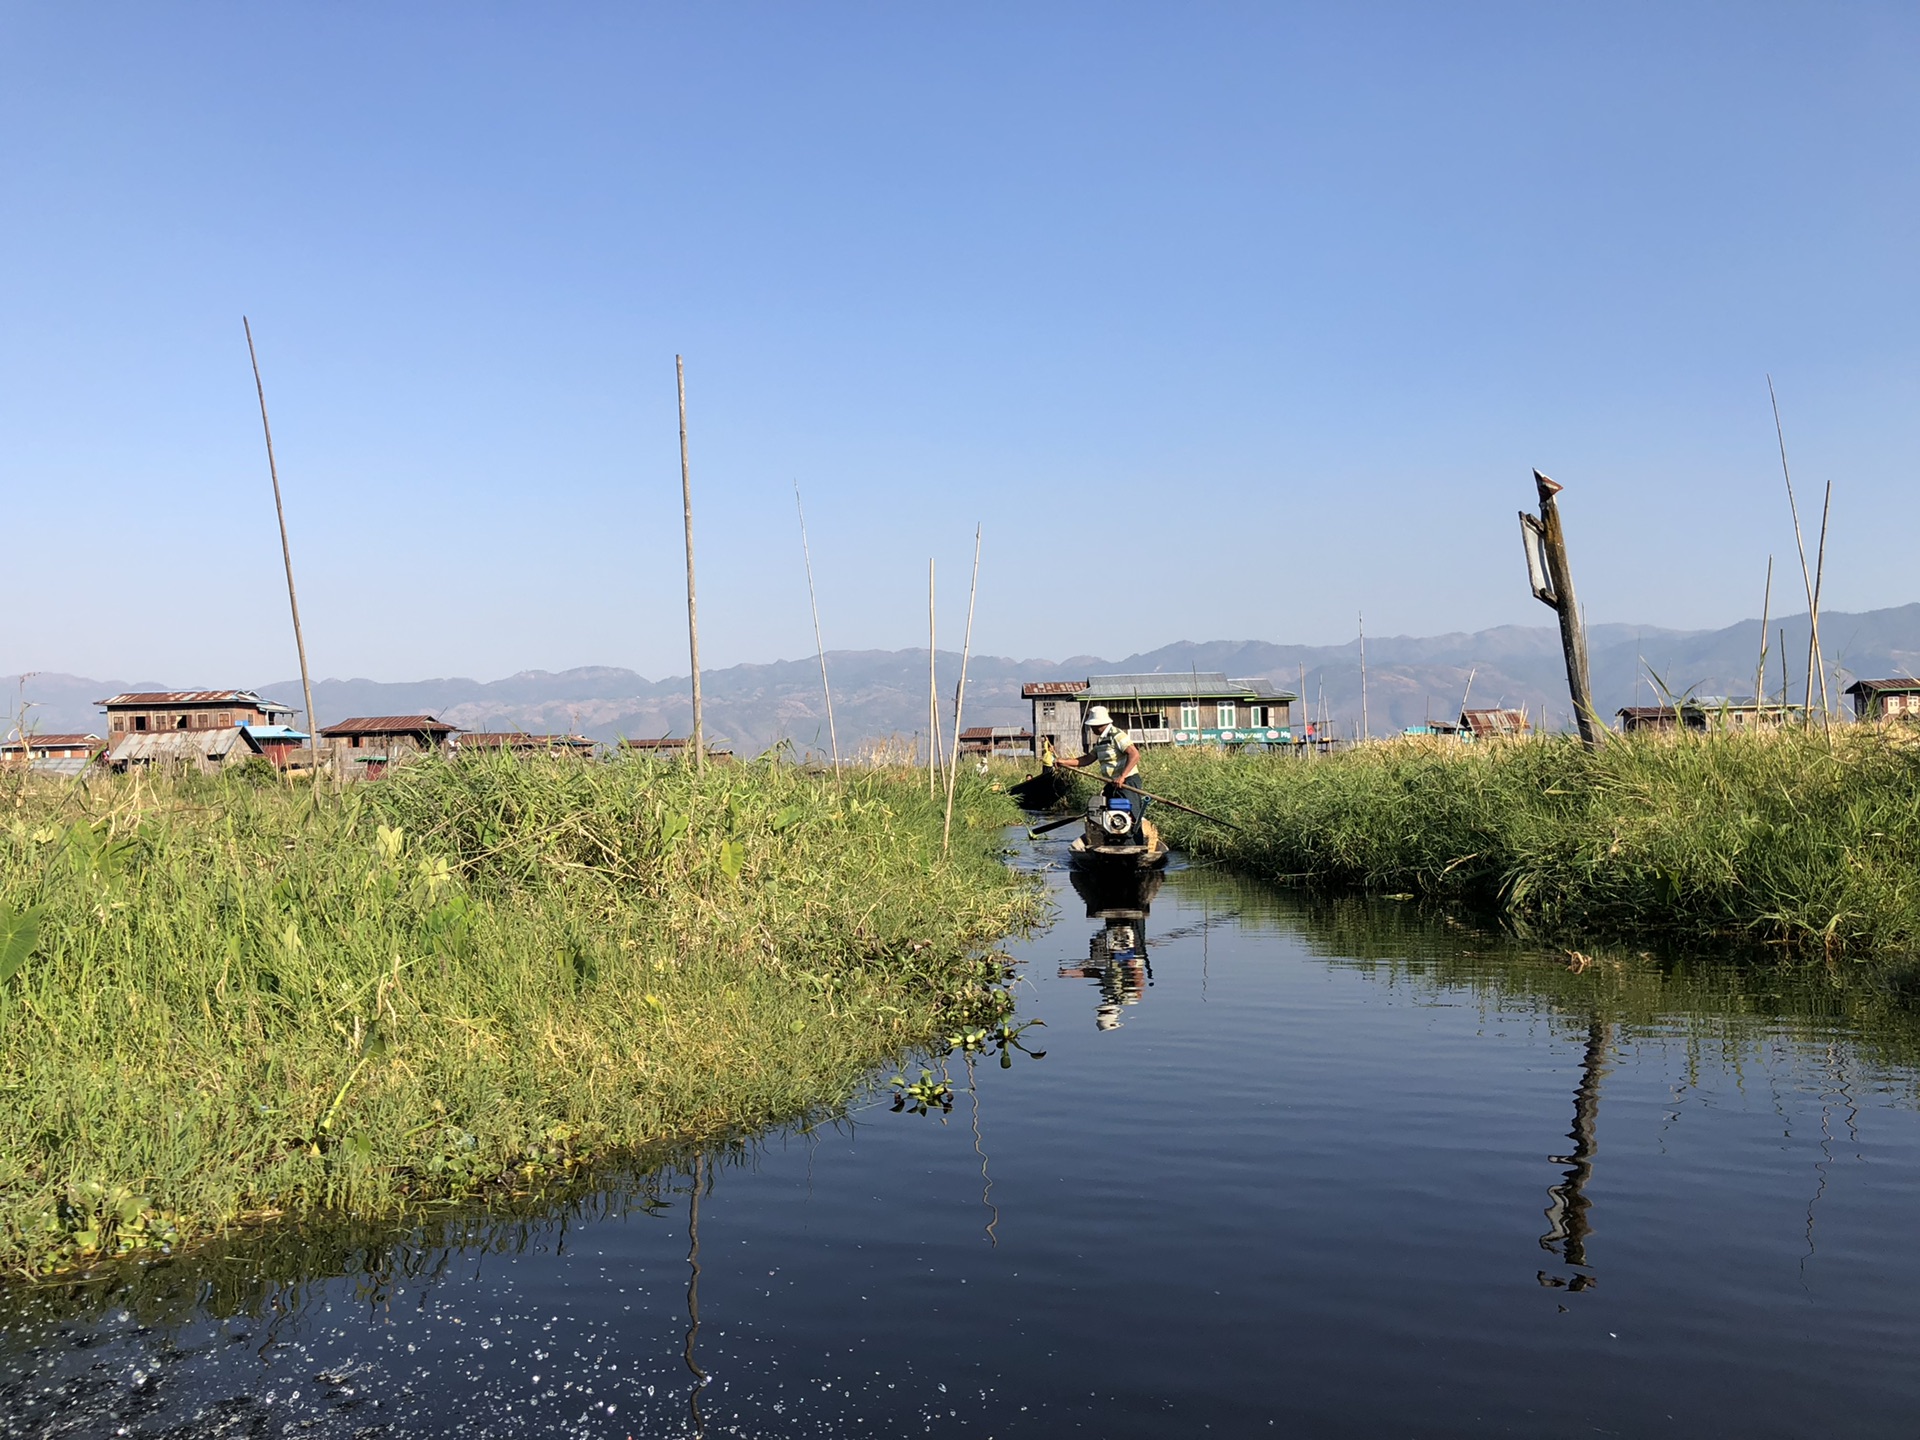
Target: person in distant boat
[1111, 754]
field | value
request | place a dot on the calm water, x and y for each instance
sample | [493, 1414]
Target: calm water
[1305, 1169]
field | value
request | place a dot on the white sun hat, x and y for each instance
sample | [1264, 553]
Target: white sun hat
[1097, 716]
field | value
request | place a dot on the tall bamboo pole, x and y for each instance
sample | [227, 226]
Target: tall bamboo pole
[960, 697]
[1819, 661]
[1793, 509]
[1760, 669]
[693, 619]
[1366, 726]
[286, 554]
[820, 645]
[934, 748]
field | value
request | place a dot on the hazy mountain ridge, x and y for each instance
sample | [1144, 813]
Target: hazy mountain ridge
[878, 693]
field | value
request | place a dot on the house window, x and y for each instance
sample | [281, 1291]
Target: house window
[356, 742]
[1257, 716]
[118, 726]
[1225, 710]
[139, 722]
[1189, 717]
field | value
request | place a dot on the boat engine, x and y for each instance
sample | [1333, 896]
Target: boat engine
[1117, 818]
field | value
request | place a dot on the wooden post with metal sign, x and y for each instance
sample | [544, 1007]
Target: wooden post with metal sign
[1552, 581]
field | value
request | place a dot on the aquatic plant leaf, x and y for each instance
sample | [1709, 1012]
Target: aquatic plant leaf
[19, 934]
[672, 826]
[392, 840]
[732, 858]
[788, 818]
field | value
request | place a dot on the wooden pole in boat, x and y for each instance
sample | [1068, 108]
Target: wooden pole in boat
[286, 555]
[1551, 578]
[693, 618]
[959, 699]
[820, 645]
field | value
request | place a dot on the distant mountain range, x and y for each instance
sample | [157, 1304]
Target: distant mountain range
[881, 693]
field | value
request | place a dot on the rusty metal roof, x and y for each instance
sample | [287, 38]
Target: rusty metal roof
[389, 725]
[1045, 689]
[509, 739]
[1904, 686]
[1495, 722]
[51, 742]
[150, 698]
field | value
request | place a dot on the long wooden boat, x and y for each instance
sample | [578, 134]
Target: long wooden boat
[1118, 839]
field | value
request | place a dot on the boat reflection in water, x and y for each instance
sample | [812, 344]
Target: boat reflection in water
[1117, 954]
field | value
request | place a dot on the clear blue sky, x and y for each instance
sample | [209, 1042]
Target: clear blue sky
[1290, 298]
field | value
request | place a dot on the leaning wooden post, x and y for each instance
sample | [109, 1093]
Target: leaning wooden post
[1552, 581]
[286, 554]
[693, 619]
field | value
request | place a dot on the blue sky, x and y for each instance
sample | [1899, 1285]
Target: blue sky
[1288, 299]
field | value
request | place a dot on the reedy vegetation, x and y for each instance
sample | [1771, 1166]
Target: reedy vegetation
[1799, 840]
[249, 999]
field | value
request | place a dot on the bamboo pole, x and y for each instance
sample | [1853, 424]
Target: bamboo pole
[1760, 669]
[693, 619]
[833, 735]
[933, 699]
[1366, 726]
[1793, 509]
[960, 697]
[286, 555]
[1819, 660]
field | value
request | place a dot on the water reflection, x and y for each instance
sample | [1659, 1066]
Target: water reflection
[693, 1294]
[1568, 1223]
[1117, 959]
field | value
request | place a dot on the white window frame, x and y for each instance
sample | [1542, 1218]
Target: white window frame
[1226, 714]
[1190, 715]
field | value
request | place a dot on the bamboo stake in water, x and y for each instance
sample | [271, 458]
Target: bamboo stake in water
[959, 698]
[693, 619]
[1760, 670]
[286, 554]
[833, 735]
[933, 700]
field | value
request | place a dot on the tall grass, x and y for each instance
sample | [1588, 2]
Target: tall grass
[1791, 839]
[248, 1000]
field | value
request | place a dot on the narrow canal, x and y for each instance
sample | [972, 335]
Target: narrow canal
[1286, 1167]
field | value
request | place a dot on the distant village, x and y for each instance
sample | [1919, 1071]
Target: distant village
[211, 730]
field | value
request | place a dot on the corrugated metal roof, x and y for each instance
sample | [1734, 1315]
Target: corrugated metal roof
[389, 725]
[61, 769]
[146, 746]
[1495, 722]
[192, 697]
[996, 732]
[276, 734]
[1875, 687]
[1207, 685]
[1043, 689]
[513, 739]
[51, 742]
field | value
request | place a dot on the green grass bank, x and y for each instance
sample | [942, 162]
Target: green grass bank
[244, 1000]
[1797, 840]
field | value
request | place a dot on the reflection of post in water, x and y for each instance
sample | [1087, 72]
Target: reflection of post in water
[986, 1180]
[693, 1295]
[1567, 1223]
[1117, 954]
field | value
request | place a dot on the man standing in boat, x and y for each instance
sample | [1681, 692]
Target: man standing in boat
[1112, 755]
